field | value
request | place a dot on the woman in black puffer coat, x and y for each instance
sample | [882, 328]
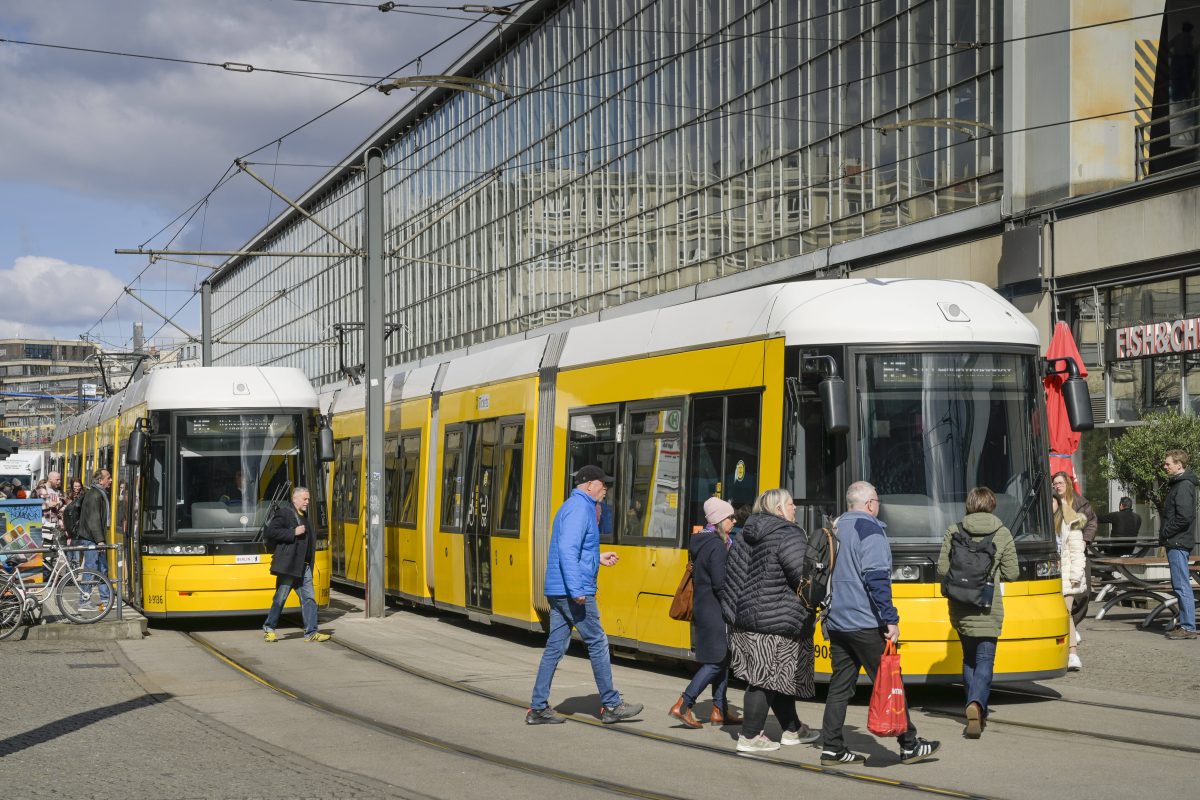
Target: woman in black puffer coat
[772, 649]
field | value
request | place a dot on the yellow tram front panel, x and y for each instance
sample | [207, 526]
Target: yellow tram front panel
[1032, 644]
[209, 585]
[634, 595]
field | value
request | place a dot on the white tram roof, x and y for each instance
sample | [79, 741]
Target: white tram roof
[822, 312]
[218, 388]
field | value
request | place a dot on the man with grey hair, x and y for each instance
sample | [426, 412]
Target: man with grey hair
[860, 621]
[292, 565]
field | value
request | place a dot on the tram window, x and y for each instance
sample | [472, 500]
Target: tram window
[723, 452]
[391, 479]
[353, 481]
[410, 478]
[341, 480]
[512, 445]
[593, 440]
[652, 473]
[230, 466]
[155, 475]
[452, 480]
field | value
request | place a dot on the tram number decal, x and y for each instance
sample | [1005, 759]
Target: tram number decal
[155, 600]
[821, 651]
[247, 559]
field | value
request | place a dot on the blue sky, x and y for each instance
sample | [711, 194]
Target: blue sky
[99, 152]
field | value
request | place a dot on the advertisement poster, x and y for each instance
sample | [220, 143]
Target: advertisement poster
[21, 529]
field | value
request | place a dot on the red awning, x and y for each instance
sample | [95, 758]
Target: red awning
[1063, 441]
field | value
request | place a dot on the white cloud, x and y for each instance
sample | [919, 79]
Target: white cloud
[43, 293]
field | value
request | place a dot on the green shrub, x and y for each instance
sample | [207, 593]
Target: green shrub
[1135, 458]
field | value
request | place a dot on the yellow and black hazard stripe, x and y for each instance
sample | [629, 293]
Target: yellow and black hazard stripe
[1145, 64]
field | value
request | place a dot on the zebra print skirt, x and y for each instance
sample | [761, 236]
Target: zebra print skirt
[770, 661]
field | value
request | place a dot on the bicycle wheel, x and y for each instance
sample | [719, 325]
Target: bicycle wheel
[10, 614]
[84, 596]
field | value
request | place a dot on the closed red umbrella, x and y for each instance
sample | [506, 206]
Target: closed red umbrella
[1063, 441]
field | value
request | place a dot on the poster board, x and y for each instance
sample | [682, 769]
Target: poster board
[21, 529]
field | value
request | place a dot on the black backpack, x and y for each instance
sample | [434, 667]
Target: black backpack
[70, 516]
[816, 576]
[972, 561]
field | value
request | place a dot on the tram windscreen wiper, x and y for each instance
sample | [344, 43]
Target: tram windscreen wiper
[276, 498]
[1035, 491]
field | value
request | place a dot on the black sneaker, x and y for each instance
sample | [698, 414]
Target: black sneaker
[918, 752]
[617, 713]
[834, 758]
[542, 716]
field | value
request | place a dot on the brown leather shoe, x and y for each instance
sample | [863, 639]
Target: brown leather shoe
[727, 717]
[683, 712]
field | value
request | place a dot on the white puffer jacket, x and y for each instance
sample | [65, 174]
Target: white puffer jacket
[1073, 556]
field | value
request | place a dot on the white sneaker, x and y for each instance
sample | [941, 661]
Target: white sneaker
[805, 735]
[759, 744]
[1073, 663]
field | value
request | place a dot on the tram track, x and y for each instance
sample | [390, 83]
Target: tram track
[485, 694]
[417, 737]
[1093, 703]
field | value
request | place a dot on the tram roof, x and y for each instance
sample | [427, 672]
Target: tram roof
[222, 387]
[919, 311]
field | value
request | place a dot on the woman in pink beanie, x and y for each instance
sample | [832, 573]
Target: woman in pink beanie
[707, 551]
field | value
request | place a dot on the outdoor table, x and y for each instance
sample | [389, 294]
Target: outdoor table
[1128, 586]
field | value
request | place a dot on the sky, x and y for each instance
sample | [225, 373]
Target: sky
[99, 152]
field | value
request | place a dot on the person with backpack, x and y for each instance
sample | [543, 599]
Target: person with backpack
[859, 623]
[976, 554]
[707, 552]
[770, 630]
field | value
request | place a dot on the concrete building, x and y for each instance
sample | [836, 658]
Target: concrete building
[654, 151]
[40, 381]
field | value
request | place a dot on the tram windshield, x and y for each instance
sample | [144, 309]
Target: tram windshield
[230, 467]
[934, 425]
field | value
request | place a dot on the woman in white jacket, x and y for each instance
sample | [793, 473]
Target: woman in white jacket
[1068, 527]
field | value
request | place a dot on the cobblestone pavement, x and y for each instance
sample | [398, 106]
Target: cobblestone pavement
[70, 733]
[1119, 656]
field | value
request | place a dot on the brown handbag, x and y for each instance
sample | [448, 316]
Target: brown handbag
[681, 603]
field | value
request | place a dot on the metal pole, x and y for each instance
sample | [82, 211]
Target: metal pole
[373, 344]
[206, 324]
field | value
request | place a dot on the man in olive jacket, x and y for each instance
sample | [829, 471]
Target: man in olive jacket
[292, 565]
[1177, 534]
[94, 515]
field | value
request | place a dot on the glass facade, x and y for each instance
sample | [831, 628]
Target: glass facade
[648, 145]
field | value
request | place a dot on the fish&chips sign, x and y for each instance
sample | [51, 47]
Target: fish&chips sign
[1154, 339]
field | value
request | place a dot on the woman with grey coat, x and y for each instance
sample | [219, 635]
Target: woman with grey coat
[979, 628]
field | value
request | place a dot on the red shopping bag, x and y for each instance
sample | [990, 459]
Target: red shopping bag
[888, 713]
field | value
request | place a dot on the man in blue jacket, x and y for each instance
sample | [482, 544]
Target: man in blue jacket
[572, 564]
[860, 620]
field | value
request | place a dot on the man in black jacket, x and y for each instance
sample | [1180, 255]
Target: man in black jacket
[94, 515]
[292, 565]
[1177, 534]
[1125, 524]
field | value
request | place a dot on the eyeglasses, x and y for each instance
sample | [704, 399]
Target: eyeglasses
[874, 500]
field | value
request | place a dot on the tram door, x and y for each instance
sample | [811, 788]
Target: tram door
[480, 481]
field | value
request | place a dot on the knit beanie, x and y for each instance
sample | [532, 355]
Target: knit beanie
[716, 509]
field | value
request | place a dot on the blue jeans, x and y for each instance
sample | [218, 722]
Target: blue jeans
[284, 586]
[979, 657]
[1178, 559]
[96, 560]
[584, 617]
[715, 674]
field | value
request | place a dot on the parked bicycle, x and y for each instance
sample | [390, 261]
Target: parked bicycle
[83, 596]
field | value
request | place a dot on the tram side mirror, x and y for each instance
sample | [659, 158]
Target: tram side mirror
[135, 450]
[325, 443]
[1079, 404]
[1076, 397]
[835, 407]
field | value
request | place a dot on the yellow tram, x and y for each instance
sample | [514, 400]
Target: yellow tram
[217, 446]
[718, 396]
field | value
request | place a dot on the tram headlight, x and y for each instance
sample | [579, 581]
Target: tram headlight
[1050, 568]
[175, 549]
[906, 572]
